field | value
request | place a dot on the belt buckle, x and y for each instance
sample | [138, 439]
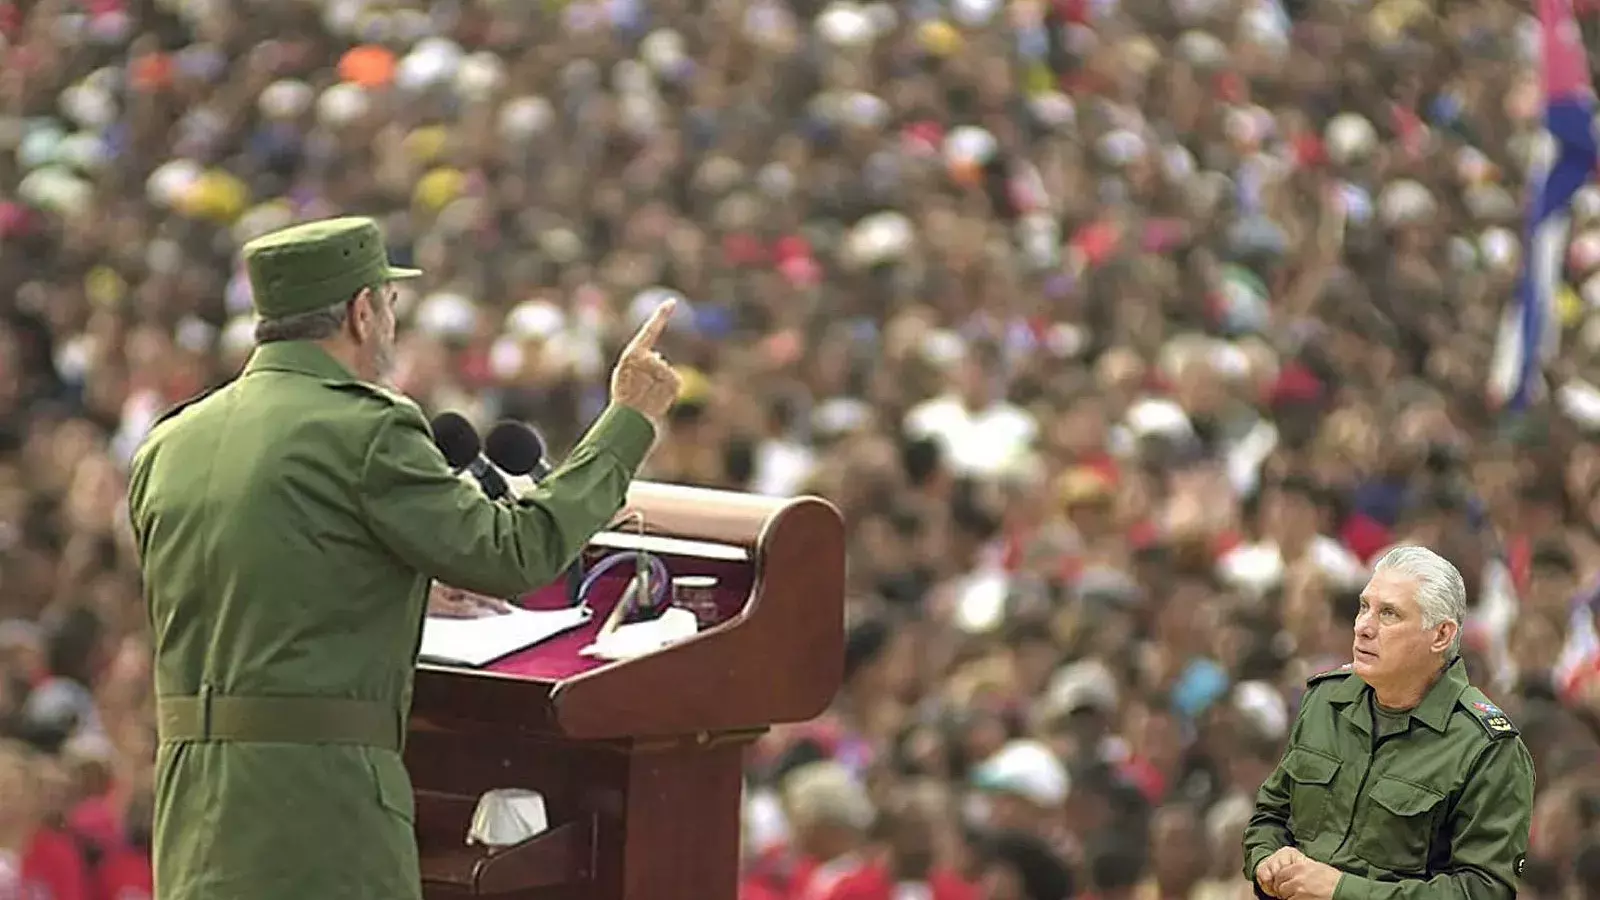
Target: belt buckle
[205, 712]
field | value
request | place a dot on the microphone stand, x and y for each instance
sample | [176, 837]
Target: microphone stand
[575, 580]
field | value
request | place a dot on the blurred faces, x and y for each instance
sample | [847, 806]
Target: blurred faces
[1557, 826]
[1092, 516]
[1002, 882]
[974, 384]
[1002, 809]
[94, 496]
[10, 373]
[1081, 431]
[1175, 842]
[1290, 517]
[1551, 587]
[1536, 640]
[1155, 736]
[1199, 390]
[914, 831]
[18, 785]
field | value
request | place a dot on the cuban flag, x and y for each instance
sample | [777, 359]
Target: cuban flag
[1579, 662]
[1530, 334]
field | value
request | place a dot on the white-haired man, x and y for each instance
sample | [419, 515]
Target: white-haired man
[1401, 781]
[830, 819]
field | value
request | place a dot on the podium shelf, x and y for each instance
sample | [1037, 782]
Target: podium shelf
[563, 856]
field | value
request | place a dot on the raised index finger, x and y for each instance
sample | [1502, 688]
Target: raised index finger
[647, 335]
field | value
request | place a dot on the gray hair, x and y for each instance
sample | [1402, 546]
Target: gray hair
[1441, 594]
[316, 325]
[825, 793]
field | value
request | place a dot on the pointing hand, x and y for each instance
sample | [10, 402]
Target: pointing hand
[642, 380]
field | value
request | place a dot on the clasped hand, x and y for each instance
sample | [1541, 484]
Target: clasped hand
[1289, 874]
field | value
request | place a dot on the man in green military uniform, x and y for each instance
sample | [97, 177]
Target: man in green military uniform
[1401, 781]
[289, 525]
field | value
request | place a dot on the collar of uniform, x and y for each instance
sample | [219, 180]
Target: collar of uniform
[303, 357]
[1348, 690]
[1435, 708]
[1346, 693]
[1433, 711]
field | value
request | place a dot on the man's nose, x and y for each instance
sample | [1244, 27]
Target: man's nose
[1364, 626]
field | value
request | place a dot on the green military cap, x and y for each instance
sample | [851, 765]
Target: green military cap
[315, 265]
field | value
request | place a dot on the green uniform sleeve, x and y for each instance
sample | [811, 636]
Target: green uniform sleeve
[1488, 836]
[1268, 829]
[447, 528]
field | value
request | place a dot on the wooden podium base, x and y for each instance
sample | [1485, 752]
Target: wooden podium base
[652, 820]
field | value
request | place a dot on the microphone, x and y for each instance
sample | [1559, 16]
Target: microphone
[463, 449]
[517, 449]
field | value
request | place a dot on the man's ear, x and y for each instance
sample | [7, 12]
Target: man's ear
[361, 316]
[1445, 636]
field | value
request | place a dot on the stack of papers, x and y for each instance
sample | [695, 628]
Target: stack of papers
[479, 642]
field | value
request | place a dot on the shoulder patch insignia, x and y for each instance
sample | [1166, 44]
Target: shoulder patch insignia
[1493, 719]
[1335, 672]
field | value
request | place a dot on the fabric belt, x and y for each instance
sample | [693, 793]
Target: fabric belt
[278, 720]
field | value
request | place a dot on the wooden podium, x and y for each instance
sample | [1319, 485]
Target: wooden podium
[640, 762]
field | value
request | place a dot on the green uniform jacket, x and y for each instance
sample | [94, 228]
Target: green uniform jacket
[1437, 810]
[288, 525]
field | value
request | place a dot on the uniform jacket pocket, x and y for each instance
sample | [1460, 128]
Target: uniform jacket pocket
[393, 784]
[1312, 773]
[1399, 830]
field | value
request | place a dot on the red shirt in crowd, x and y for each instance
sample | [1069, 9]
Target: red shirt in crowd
[98, 819]
[121, 871]
[777, 874]
[822, 881]
[1144, 775]
[873, 882]
[53, 868]
[125, 874]
[754, 889]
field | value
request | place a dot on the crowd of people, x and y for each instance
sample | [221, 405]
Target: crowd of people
[1126, 334]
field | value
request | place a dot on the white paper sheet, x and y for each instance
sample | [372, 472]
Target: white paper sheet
[478, 642]
[642, 638]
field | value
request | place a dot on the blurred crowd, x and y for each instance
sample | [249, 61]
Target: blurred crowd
[1125, 333]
